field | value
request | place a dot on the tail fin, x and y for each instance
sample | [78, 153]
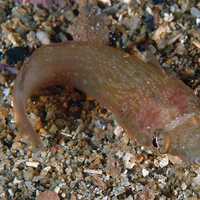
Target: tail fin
[22, 121]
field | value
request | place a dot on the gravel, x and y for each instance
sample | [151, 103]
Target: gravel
[88, 154]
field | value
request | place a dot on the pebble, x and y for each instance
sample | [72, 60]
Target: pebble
[108, 2]
[6, 92]
[183, 186]
[43, 37]
[129, 160]
[162, 161]
[149, 21]
[16, 181]
[168, 17]
[16, 54]
[57, 189]
[92, 171]
[11, 194]
[196, 179]
[198, 21]
[195, 12]
[118, 131]
[53, 129]
[32, 164]
[158, 1]
[145, 172]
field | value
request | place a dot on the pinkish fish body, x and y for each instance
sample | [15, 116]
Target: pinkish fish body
[153, 108]
[146, 102]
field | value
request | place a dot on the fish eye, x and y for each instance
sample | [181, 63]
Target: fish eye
[155, 142]
[158, 140]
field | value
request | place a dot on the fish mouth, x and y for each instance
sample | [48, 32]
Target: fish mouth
[182, 143]
[163, 143]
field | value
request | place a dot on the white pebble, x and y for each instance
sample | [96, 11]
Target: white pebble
[92, 171]
[16, 181]
[57, 189]
[10, 192]
[183, 186]
[6, 92]
[145, 172]
[196, 179]
[195, 12]
[198, 21]
[129, 160]
[161, 161]
[126, 1]
[32, 164]
[43, 37]
[118, 131]
[164, 162]
[108, 2]
[168, 17]
[119, 154]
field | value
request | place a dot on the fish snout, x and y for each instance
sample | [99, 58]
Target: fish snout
[183, 142]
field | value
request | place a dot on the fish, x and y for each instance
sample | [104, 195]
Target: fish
[155, 109]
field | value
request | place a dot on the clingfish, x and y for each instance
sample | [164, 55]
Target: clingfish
[155, 109]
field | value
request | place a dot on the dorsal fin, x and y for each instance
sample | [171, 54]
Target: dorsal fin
[90, 26]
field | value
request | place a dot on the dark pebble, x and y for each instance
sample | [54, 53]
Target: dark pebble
[1, 55]
[158, 1]
[142, 47]
[16, 54]
[149, 21]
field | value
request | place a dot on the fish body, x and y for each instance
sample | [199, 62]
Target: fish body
[149, 104]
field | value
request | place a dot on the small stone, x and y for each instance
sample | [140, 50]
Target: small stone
[168, 17]
[164, 162]
[32, 164]
[118, 131]
[158, 1]
[161, 161]
[29, 185]
[97, 180]
[129, 160]
[29, 174]
[57, 189]
[195, 12]
[16, 54]
[174, 8]
[100, 124]
[63, 195]
[119, 154]
[145, 172]
[150, 22]
[183, 186]
[124, 1]
[53, 129]
[43, 37]
[92, 171]
[6, 92]
[196, 179]
[198, 21]
[16, 181]
[10, 191]
[45, 171]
